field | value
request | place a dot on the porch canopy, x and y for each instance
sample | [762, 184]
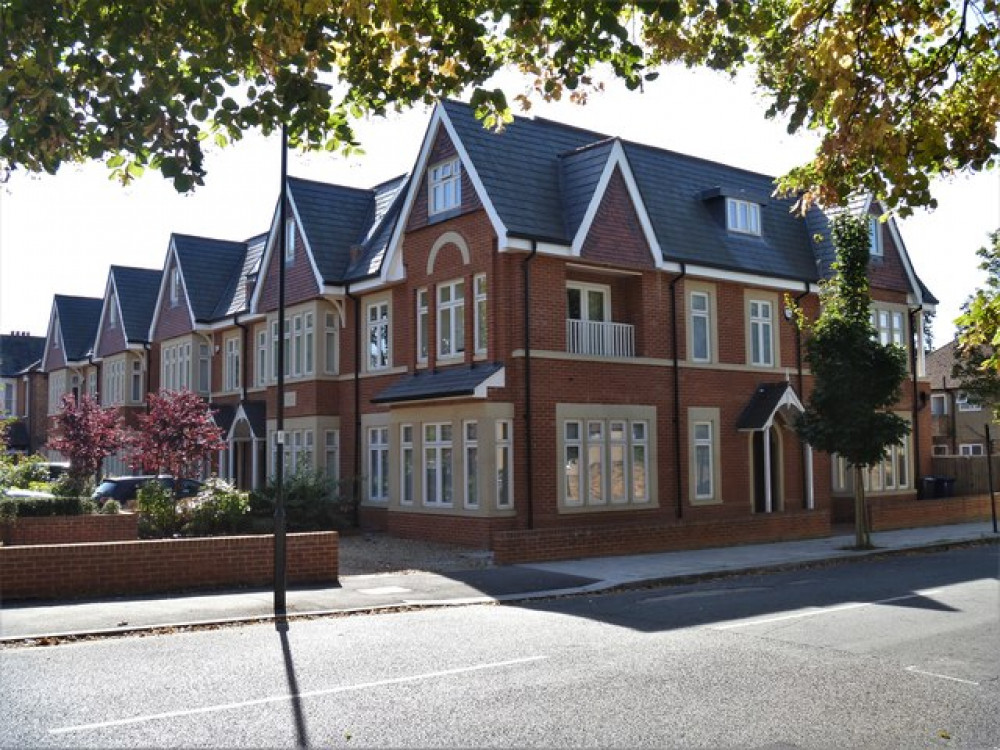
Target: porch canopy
[451, 382]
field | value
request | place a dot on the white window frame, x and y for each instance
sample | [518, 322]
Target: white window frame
[596, 446]
[407, 465]
[743, 216]
[378, 327]
[231, 376]
[378, 464]
[757, 324]
[971, 449]
[704, 445]
[481, 322]
[113, 312]
[636, 442]
[705, 317]
[504, 443]
[308, 343]
[452, 313]
[875, 247]
[57, 388]
[438, 453]
[584, 289]
[204, 373]
[444, 186]
[9, 392]
[136, 382]
[331, 454]
[331, 362]
[263, 355]
[175, 286]
[290, 237]
[573, 451]
[889, 326]
[423, 324]
[470, 463]
[963, 403]
[942, 410]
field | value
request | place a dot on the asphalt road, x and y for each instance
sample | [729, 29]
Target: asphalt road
[902, 652]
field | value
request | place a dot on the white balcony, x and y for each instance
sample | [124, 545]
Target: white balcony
[600, 339]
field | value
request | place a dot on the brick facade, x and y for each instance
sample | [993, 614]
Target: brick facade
[119, 527]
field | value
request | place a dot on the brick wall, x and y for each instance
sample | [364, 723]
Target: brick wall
[121, 527]
[462, 530]
[113, 568]
[511, 547]
[889, 513]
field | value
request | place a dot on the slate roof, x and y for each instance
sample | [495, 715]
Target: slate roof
[939, 364]
[579, 173]
[18, 353]
[339, 220]
[78, 320]
[137, 289]
[209, 267]
[235, 299]
[762, 405]
[447, 383]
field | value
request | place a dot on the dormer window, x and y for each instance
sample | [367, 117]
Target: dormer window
[874, 237]
[444, 188]
[742, 216]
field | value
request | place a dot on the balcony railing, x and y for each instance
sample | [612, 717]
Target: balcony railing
[600, 339]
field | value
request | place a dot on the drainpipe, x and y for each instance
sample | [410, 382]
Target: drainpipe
[677, 391]
[527, 380]
[355, 482]
[915, 341]
[246, 357]
[798, 365]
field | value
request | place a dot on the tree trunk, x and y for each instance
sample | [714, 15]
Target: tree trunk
[862, 538]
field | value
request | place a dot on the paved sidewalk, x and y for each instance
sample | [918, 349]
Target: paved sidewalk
[34, 620]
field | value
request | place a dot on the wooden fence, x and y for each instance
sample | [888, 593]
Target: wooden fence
[970, 473]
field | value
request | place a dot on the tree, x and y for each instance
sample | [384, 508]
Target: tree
[177, 435]
[977, 353]
[86, 434]
[857, 380]
[900, 92]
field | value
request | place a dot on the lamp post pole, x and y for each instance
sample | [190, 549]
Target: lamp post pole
[280, 582]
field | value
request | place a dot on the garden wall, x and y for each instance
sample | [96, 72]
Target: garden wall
[511, 547]
[886, 514]
[60, 571]
[118, 527]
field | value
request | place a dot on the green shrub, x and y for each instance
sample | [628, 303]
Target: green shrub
[21, 472]
[68, 486]
[312, 502]
[219, 508]
[110, 508]
[25, 507]
[158, 511]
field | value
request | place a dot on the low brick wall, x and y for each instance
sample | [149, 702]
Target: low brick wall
[510, 547]
[59, 571]
[902, 514]
[120, 527]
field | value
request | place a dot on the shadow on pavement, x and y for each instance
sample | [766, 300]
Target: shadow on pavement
[301, 732]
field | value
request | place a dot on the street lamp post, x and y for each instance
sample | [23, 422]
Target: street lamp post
[280, 582]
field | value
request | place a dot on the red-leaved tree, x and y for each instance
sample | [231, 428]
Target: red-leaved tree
[177, 435]
[86, 433]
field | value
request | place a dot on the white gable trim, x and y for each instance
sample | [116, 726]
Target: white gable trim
[392, 267]
[109, 290]
[617, 158]
[164, 286]
[265, 259]
[305, 241]
[54, 331]
[907, 265]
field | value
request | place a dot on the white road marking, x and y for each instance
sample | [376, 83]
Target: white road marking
[824, 610]
[287, 697]
[701, 594]
[942, 676]
[385, 590]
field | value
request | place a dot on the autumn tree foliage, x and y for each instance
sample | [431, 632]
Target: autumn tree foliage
[857, 379]
[898, 92]
[177, 434]
[86, 433]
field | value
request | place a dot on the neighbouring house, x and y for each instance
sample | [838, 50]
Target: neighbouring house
[68, 360]
[958, 423]
[121, 347]
[544, 330]
[21, 388]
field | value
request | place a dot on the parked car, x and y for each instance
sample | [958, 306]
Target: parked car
[125, 489]
[18, 492]
[56, 469]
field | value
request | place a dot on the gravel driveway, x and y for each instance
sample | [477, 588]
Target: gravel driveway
[375, 552]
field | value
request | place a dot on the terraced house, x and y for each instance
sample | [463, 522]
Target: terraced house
[68, 360]
[540, 334]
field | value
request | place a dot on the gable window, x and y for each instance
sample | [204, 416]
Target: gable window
[437, 464]
[874, 237]
[481, 321]
[444, 189]
[451, 319]
[423, 324]
[112, 313]
[232, 364]
[378, 463]
[761, 334]
[290, 236]
[175, 286]
[701, 330]
[378, 336]
[331, 364]
[742, 216]
[964, 404]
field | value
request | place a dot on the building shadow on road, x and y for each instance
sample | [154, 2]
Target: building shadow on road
[301, 731]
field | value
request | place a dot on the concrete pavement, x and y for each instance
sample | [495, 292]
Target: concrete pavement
[39, 620]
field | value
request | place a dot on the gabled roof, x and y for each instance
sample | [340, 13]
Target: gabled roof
[387, 204]
[765, 403]
[17, 353]
[939, 365]
[208, 267]
[78, 319]
[580, 172]
[136, 289]
[235, 300]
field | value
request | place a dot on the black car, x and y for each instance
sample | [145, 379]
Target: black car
[124, 489]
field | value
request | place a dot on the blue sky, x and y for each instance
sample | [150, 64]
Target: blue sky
[58, 235]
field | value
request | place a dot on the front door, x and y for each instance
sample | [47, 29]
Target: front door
[760, 504]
